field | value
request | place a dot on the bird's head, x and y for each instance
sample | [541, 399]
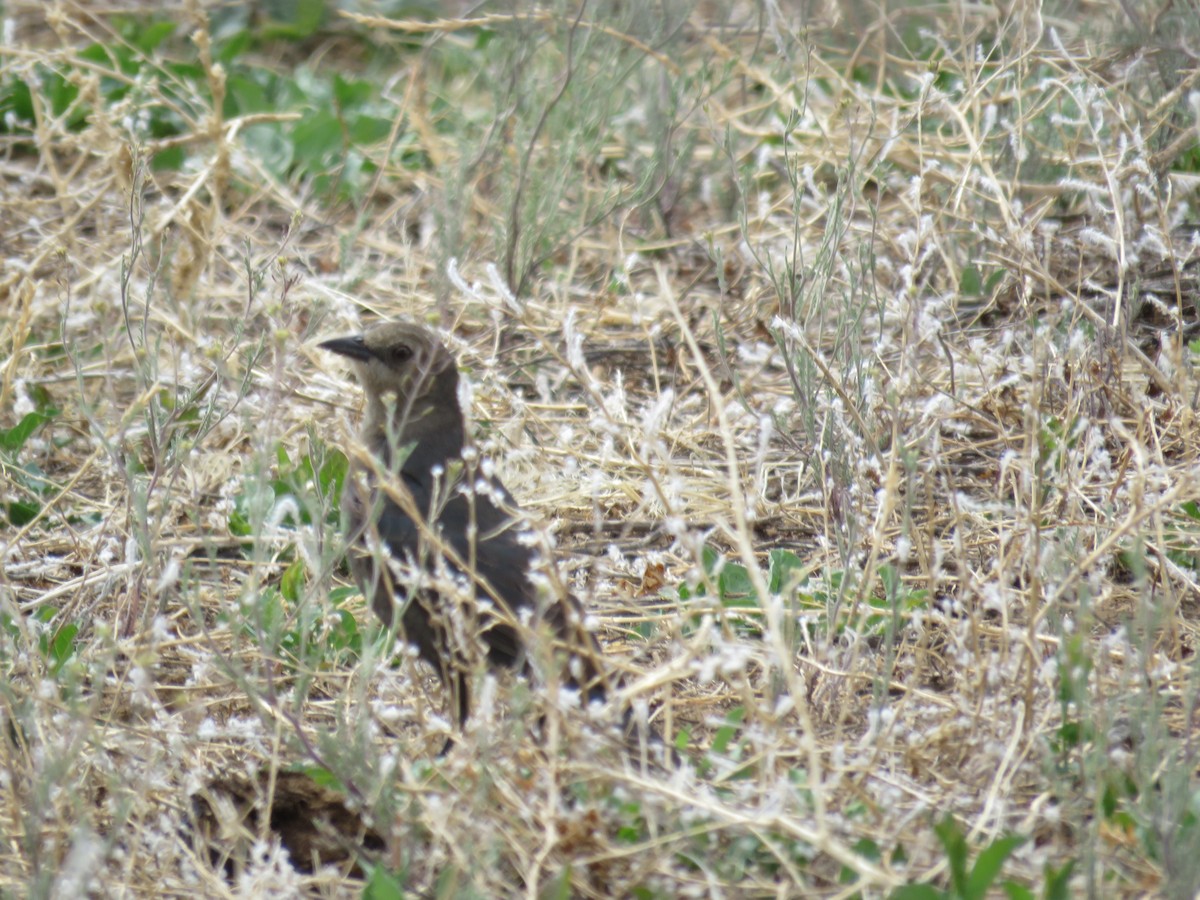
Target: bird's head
[409, 378]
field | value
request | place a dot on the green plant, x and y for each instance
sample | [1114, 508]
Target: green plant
[808, 601]
[551, 142]
[26, 476]
[969, 881]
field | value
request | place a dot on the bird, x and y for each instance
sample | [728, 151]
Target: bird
[436, 536]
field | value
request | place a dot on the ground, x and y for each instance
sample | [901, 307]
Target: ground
[842, 356]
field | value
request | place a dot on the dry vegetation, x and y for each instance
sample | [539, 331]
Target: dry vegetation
[853, 381]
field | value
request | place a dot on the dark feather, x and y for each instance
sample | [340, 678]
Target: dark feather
[413, 416]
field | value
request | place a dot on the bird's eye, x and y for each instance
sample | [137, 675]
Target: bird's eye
[401, 353]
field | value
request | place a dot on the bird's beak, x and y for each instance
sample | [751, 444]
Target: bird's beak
[353, 347]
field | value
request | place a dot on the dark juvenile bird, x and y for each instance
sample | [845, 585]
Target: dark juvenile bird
[415, 498]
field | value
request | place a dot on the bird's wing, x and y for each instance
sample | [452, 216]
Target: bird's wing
[503, 560]
[495, 561]
[496, 558]
[498, 563]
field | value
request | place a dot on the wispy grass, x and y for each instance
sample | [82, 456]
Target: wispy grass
[850, 383]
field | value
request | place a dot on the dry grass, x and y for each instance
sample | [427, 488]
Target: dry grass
[796, 344]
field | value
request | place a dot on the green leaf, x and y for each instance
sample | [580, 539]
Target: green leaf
[682, 738]
[783, 566]
[268, 145]
[291, 585]
[270, 612]
[234, 46]
[153, 35]
[970, 282]
[294, 19]
[333, 473]
[918, 892]
[62, 94]
[733, 582]
[867, 849]
[41, 399]
[1016, 891]
[108, 57]
[351, 94]
[890, 578]
[61, 647]
[726, 732]
[13, 439]
[8, 625]
[16, 102]
[317, 140]
[345, 634]
[321, 776]
[955, 845]
[383, 885]
[169, 160]
[629, 834]
[339, 595]
[988, 865]
[1057, 883]
[247, 95]
[21, 512]
[367, 130]
[239, 525]
[560, 889]
[1110, 799]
